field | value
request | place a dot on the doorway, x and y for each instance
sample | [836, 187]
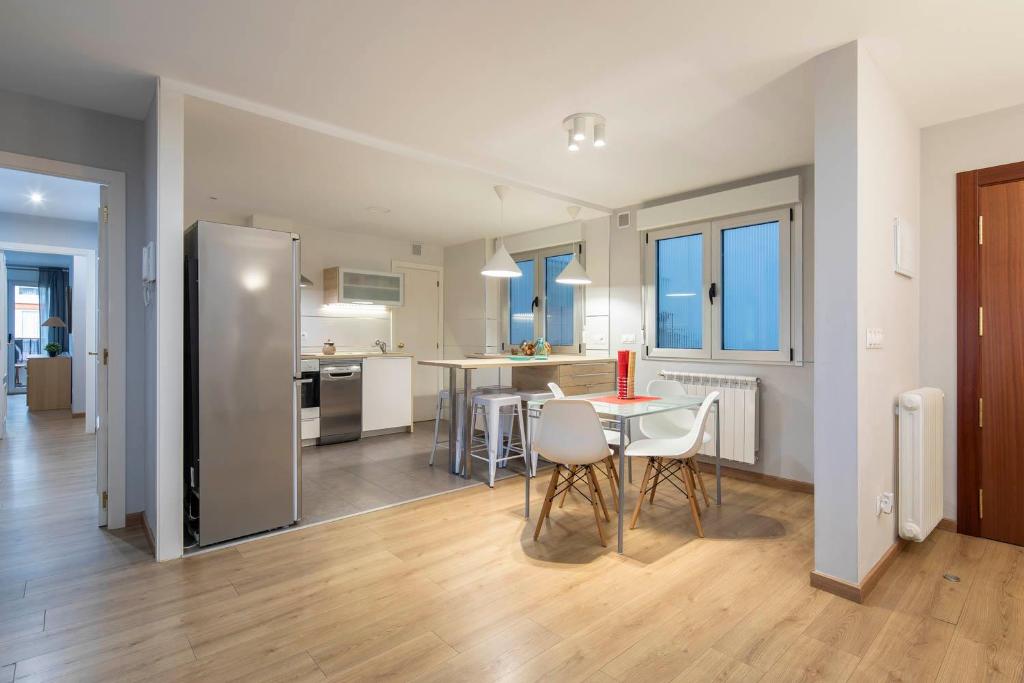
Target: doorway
[102, 340]
[416, 329]
[990, 357]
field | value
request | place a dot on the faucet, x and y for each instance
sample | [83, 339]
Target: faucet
[382, 345]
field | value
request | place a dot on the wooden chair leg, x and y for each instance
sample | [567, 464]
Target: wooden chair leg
[549, 497]
[643, 488]
[592, 474]
[657, 473]
[613, 480]
[565, 494]
[691, 494]
[595, 495]
[700, 481]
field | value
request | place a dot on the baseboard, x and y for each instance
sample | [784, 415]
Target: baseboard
[146, 531]
[760, 478]
[74, 414]
[858, 592]
[133, 519]
[947, 524]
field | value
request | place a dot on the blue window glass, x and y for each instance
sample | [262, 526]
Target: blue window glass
[680, 280]
[520, 304]
[558, 303]
[750, 288]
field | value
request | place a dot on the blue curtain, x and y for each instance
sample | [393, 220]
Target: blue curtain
[520, 304]
[558, 302]
[53, 301]
[750, 287]
[680, 272]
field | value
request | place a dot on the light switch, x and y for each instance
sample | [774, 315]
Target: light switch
[628, 339]
[875, 338]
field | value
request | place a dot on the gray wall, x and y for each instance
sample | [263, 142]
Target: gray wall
[54, 232]
[786, 391]
[41, 128]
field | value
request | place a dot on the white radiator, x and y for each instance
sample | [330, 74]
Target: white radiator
[920, 456]
[740, 414]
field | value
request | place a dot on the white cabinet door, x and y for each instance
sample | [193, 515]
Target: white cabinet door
[387, 393]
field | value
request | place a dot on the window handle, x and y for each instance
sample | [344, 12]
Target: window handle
[712, 293]
[536, 302]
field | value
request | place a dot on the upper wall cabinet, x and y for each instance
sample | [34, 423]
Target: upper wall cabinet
[342, 285]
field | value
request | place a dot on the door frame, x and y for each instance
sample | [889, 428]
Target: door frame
[970, 240]
[117, 321]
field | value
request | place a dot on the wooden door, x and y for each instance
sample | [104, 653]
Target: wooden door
[991, 436]
[416, 330]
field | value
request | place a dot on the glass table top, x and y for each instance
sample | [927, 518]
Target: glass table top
[632, 408]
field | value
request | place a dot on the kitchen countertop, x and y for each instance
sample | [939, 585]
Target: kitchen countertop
[356, 354]
[490, 361]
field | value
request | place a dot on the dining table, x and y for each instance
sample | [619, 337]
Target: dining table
[622, 412]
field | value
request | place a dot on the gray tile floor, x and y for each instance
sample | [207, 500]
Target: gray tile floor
[347, 478]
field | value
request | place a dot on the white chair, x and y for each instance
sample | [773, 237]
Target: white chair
[570, 436]
[672, 460]
[609, 470]
[495, 409]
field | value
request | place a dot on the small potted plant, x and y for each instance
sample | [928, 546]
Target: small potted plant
[52, 349]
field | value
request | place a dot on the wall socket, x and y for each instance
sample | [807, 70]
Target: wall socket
[885, 504]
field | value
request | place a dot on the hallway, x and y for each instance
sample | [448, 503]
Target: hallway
[48, 507]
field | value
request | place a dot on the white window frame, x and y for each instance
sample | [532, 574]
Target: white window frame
[540, 313]
[790, 349]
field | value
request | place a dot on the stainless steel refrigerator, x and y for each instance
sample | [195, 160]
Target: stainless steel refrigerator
[242, 457]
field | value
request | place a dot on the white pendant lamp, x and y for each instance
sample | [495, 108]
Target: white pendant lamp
[574, 273]
[501, 263]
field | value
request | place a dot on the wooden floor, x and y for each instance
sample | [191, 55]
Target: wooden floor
[454, 589]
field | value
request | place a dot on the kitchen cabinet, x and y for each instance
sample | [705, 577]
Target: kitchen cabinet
[387, 392]
[342, 285]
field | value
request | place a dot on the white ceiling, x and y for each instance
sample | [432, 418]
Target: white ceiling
[62, 197]
[253, 164]
[694, 92]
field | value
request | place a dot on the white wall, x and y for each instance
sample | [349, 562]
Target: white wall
[786, 391]
[889, 163]
[967, 144]
[41, 128]
[866, 174]
[164, 157]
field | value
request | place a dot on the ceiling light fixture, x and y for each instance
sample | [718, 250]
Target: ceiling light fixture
[36, 198]
[573, 145]
[573, 273]
[577, 125]
[501, 263]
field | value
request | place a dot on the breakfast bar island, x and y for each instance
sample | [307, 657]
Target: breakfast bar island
[575, 374]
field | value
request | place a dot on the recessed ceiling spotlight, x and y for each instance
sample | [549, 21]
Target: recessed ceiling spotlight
[214, 198]
[36, 198]
[378, 209]
[577, 125]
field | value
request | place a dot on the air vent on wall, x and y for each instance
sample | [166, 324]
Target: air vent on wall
[623, 220]
[417, 249]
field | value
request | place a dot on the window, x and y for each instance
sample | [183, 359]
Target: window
[721, 289]
[534, 305]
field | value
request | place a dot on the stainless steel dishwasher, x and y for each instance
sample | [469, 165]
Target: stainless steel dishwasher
[341, 400]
